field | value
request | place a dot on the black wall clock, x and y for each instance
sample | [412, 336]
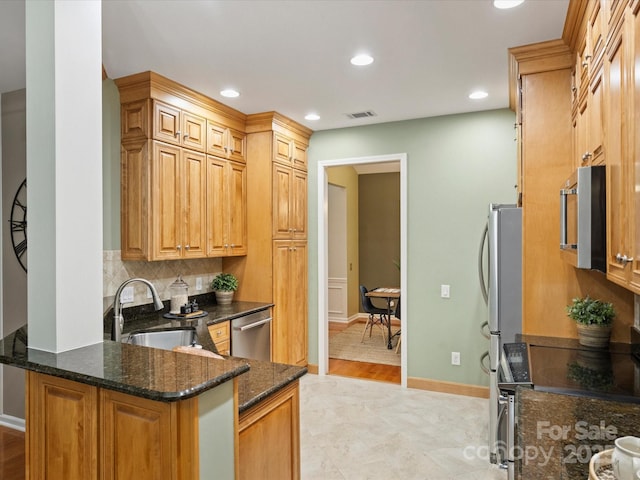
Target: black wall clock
[18, 221]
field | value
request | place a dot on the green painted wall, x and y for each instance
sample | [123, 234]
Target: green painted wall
[456, 166]
[110, 165]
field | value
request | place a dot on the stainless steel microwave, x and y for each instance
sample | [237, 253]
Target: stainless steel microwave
[583, 219]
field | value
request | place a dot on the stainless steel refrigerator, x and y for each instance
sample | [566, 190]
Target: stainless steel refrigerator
[501, 250]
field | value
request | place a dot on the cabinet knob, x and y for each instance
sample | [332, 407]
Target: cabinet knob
[623, 259]
[186, 136]
[178, 247]
[187, 247]
[233, 245]
[178, 133]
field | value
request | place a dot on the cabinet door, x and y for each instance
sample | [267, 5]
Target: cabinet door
[297, 318]
[216, 214]
[166, 207]
[298, 204]
[289, 341]
[166, 123]
[236, 208]
[237, 145]
[61, 429]
[194, 129]
[195, 207]
[634, 154]
[282, 149]
[280, 339]
[594, 146]
[299, 156]
[282, 184]
[136, 437]
[269, 438]
[215, 139]
[617, 201]
[134, 199]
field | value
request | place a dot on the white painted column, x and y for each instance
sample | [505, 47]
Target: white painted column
[64, 173]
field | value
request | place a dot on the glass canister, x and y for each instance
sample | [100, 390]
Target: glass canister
[179, 294]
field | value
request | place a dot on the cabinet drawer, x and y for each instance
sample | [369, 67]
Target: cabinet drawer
[219, 332]
[224, 347]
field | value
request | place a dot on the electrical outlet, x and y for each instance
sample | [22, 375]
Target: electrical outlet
[126, 296]
[445, 291]
[198, 283]
[455, 358]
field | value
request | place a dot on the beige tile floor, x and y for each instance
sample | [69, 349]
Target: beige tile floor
[353, 429]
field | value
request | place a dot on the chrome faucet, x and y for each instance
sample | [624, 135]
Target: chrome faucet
[118, 319]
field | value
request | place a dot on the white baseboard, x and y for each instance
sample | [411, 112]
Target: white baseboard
[12, 422]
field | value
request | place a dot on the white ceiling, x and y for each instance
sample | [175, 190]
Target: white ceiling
[293, 55]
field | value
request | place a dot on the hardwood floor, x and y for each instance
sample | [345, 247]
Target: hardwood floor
[12, 462]
[370, 371]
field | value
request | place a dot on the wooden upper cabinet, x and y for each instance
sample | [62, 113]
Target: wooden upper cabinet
[194, 130]
[172, 125]
[226, 208]
[289, 203]
[178, 203]
[166, 129]
[622, 95]
[225, 142]
[289, 152]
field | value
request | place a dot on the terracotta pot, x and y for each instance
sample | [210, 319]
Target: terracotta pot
[224, 298]
[594, 336]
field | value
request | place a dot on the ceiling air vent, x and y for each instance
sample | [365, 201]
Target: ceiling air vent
[368, 113]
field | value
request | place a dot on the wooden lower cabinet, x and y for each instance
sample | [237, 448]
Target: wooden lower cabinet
[61, 433]
[289, 328]
[269, 437]
[137, 438]
[220, 334]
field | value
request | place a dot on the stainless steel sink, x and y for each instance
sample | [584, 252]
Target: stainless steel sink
[165, 338]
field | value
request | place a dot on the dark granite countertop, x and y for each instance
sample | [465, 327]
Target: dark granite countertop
[151, 373]
[264, 379]
[562, 365]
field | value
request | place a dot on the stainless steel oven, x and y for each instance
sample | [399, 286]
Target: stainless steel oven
[513, 372]
[251, 336]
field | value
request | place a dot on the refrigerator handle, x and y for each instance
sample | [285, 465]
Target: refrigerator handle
[485, 333]
[482, 364]
[483, 285]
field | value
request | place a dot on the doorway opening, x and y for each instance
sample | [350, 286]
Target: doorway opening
[324, 258]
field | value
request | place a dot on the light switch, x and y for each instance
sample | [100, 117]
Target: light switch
[444, 291]
[126, 296]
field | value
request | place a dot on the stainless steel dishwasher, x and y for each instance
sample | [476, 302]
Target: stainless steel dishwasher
[251, 335]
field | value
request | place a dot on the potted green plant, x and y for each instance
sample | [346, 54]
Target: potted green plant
[224, 285]
[594, 319]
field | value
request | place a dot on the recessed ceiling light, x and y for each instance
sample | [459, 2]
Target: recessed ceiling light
[312, 116]
[502, 4]
[362, 59]
[230, 93]
[478, 95]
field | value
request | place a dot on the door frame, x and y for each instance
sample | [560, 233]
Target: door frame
[323, 254]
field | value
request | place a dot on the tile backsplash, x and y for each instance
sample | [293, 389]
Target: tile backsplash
[161, 274]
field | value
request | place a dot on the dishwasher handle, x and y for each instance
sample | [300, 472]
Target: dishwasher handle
[249, 326]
